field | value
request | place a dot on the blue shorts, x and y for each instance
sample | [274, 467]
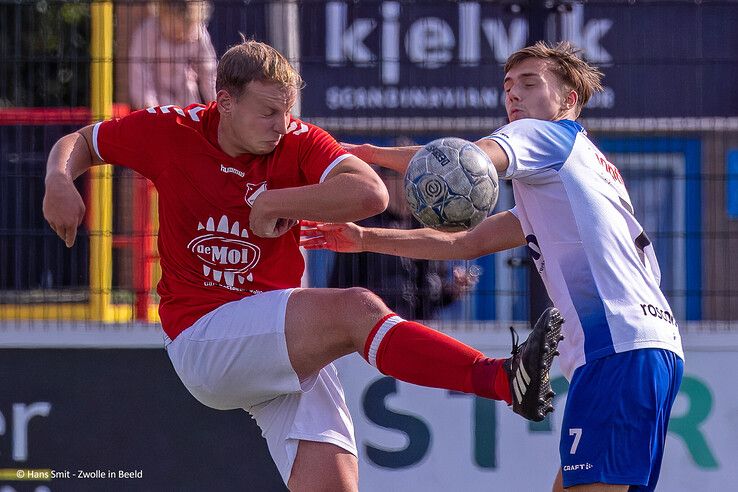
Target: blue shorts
[616, 417]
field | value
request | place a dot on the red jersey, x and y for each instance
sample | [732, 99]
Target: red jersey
[209, 256]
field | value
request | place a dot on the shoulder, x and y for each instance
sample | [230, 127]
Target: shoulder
[301, 133]
[542, 134]
[174, 116]
[298, 128]
[302, 129]
[157, 121]
[560, 130]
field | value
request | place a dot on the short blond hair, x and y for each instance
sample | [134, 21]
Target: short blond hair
[251, 60]
[563, 60]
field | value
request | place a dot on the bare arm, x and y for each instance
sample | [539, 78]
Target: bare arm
[495, 153]
[496, 233]
[206, 63]
[141, 87]
[351, 191]
[398, 158]
[63, 207]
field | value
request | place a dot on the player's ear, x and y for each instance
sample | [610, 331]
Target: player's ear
[225, 102]
[571, 99]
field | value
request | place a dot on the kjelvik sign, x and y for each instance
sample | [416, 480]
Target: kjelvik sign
[426, 59]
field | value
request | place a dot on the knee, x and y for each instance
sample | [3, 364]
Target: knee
[356, 311]
[359, 296]
[359, 302]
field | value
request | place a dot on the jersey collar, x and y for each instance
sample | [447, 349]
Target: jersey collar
[573, 124]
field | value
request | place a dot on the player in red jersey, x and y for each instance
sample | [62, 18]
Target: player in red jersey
[234, 177]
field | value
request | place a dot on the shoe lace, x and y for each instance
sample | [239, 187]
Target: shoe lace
[515, 340]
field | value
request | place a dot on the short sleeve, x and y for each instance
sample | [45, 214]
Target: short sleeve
[536, 148]
[319, 153]
[137, 141]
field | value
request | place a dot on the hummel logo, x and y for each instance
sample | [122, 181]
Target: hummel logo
[231, 170]
[520, 383]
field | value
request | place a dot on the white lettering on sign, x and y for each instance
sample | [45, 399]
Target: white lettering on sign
[430, 42]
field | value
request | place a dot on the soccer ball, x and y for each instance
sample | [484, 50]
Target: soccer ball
[451, 184]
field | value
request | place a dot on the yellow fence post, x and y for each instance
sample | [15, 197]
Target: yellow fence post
[101, 189]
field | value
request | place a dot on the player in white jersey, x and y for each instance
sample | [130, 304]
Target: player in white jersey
[622, 350]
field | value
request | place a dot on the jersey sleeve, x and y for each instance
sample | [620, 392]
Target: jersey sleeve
[137, 141]
[536, 149]
[319, 153]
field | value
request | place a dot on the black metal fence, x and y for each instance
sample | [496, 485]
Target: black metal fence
[389, 71]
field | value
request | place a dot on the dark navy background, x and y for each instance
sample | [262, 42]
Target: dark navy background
[668, 59]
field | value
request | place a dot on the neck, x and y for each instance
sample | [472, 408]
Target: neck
[569, 114]
[225, 143]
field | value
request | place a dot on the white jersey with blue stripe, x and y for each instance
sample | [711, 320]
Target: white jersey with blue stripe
[597, 263]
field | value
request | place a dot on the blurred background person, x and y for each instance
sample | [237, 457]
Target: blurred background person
[171, 57]
[171, 60]
[413, 288]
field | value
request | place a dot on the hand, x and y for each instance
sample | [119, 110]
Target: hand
[63, 208]
[465, 279]
[343, 238]
[273, 228]
[365, 152]
[263, 224]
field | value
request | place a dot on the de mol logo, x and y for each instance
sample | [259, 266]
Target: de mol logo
[226, 256]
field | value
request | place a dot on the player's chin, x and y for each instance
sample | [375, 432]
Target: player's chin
[269, 146]
[263, 147]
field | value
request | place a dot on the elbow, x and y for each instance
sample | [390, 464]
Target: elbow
[375, 198]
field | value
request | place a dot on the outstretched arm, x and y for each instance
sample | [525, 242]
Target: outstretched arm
[496, 154]
[398, 158]
[496, 233]
[63, 207]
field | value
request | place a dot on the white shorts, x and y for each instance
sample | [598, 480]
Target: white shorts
[236, 357]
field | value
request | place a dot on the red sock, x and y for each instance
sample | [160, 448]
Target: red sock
[420, 355]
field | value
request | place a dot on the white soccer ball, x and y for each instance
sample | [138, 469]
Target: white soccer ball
[451, 184]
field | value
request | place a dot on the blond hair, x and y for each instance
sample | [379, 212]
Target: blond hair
[251, 60]
[563, 60]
